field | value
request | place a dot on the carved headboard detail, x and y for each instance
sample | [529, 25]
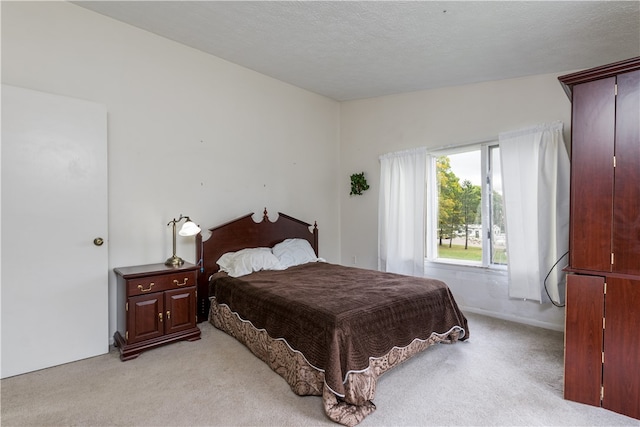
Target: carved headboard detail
[243, 233]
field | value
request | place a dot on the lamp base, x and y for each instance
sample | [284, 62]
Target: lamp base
[174, 261]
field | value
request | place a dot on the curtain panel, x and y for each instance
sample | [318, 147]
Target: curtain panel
[535, 172]
[401, 212]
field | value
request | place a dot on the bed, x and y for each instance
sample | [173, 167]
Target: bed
[328, 330]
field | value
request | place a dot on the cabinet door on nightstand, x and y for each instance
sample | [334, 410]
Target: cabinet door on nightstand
[180, 307]
[145, 317]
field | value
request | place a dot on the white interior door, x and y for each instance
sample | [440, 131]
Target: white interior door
[54, 285]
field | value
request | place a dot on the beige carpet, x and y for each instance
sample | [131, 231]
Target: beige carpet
[506, 374]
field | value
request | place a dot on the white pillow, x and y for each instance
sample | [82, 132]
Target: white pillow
[292, 252]
[246, 261]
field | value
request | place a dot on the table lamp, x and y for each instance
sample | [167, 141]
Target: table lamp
[189, 228]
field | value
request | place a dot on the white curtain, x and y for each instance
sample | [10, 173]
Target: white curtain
[401, 212]
[535, 171]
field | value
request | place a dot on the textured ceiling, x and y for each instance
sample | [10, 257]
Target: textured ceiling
[351, 50]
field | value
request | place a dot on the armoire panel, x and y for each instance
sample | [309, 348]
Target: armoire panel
[621, 371]
[626, 220]
[583, 339]
[592, 151]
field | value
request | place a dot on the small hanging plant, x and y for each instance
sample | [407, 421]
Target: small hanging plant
[358, 184]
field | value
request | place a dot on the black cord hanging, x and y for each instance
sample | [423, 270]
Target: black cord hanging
[545, 280]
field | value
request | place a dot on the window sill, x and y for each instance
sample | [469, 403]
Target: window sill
[458, 265]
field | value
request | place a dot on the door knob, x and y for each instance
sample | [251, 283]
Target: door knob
[98, 241]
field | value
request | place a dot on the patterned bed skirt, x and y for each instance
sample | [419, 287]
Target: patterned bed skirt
[306, 380]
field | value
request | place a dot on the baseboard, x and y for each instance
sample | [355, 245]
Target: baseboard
[516, 319]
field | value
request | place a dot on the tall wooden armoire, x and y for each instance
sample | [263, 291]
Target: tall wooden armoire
[602, 330]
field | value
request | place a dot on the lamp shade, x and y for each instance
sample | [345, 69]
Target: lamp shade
[189, 228]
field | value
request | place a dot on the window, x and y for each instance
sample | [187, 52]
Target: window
[470, 227]
[498, 232]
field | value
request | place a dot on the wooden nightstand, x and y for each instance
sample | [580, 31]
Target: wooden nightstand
[156, 306]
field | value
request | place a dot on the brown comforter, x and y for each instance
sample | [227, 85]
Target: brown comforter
[339, 317]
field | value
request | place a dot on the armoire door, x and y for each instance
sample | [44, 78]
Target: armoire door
[54, 205]
[592, 172]
[583, 338]
[621, 367]
[626, 211]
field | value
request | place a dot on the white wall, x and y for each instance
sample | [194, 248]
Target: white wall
[191, 133]
[187, 132]
[435, 118]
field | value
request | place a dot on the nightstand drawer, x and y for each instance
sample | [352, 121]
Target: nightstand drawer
[149, 284]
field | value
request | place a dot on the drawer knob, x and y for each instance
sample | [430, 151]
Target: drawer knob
[181, 284]
[142, 289]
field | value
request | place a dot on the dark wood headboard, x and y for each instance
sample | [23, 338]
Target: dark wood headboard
[243, 233]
